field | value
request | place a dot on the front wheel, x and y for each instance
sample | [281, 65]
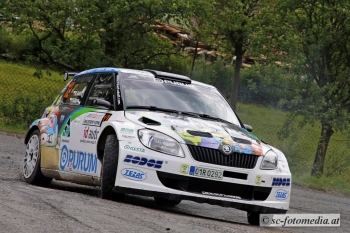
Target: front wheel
[109, 169]
[253, 218]
[31, 163]
[166, 202]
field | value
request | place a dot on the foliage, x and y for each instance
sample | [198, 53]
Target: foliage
[316, 44]
[234, 24]
[5, 40]
[79, 34]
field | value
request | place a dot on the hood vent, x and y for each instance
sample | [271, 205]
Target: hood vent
[200, 134]
[241, 140]
[148, 121]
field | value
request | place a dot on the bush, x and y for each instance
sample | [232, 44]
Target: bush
[5, 41]
[20, 111]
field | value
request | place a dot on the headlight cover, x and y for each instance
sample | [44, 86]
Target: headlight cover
[269, 161]
[160, 142]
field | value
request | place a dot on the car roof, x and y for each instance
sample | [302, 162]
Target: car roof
[132, 71]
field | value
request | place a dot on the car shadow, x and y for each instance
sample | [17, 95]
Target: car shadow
[147, 202]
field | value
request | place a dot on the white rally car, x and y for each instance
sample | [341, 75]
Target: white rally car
[155, 134]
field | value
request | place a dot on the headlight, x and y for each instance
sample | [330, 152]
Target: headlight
[160, 142]
[269, 161]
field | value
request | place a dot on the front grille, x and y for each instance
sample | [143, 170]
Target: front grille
[198, 185]
[214, 156]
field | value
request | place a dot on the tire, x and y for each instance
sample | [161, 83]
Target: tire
[109, 169]
[166, 202]
[253, 218]
[31, 162]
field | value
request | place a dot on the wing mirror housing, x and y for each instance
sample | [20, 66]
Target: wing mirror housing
[248, 128]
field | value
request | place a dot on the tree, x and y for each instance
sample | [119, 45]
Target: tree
[315, 36]
[77, 34]
[234, 24]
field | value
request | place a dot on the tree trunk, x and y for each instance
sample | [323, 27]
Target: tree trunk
[194, 58]
[326, 133]
[234, 88]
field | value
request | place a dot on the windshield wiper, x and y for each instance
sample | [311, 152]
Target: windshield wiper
[154, 108]
[213, 118]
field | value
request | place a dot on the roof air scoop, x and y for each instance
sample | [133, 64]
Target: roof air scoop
[170, 76]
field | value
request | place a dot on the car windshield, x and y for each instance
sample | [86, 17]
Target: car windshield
[195, 98]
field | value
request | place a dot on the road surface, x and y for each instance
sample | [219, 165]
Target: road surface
[66, 207]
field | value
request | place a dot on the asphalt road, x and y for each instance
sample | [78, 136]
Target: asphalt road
[65, 207]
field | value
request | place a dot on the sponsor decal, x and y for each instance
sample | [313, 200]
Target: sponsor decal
[157, 80]
[184, 169]
[77, 160]
[133, 174]
[65, 140]
[126, 130]
[133, 77]
[120, 122]
[128, 136]
[93, 119]
[220, 195]
[90, 134]
[258, 179]
[280, 181]
[281, 194]
[118, 92]
[143, 161]
[66, 130]
[136, 149]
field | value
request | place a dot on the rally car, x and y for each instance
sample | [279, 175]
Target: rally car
[157, 134]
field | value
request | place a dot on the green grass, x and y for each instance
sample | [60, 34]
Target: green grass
[23, 97]
[300, 148]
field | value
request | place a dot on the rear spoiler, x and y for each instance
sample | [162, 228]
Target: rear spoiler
[68, 74]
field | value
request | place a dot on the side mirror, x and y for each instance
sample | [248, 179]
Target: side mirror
[248, 128]
[101, 103]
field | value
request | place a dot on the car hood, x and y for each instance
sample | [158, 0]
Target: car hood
[202, 132]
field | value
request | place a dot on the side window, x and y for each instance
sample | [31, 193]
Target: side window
[103, 88]
[75, 90]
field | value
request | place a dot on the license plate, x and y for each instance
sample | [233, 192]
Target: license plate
[206, 172]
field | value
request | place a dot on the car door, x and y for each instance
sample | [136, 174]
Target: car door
[79, 154]
[71, 109]
[56, 120]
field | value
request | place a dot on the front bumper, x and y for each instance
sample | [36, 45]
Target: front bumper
[239, 188]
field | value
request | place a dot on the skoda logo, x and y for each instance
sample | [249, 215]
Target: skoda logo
[226, 149]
